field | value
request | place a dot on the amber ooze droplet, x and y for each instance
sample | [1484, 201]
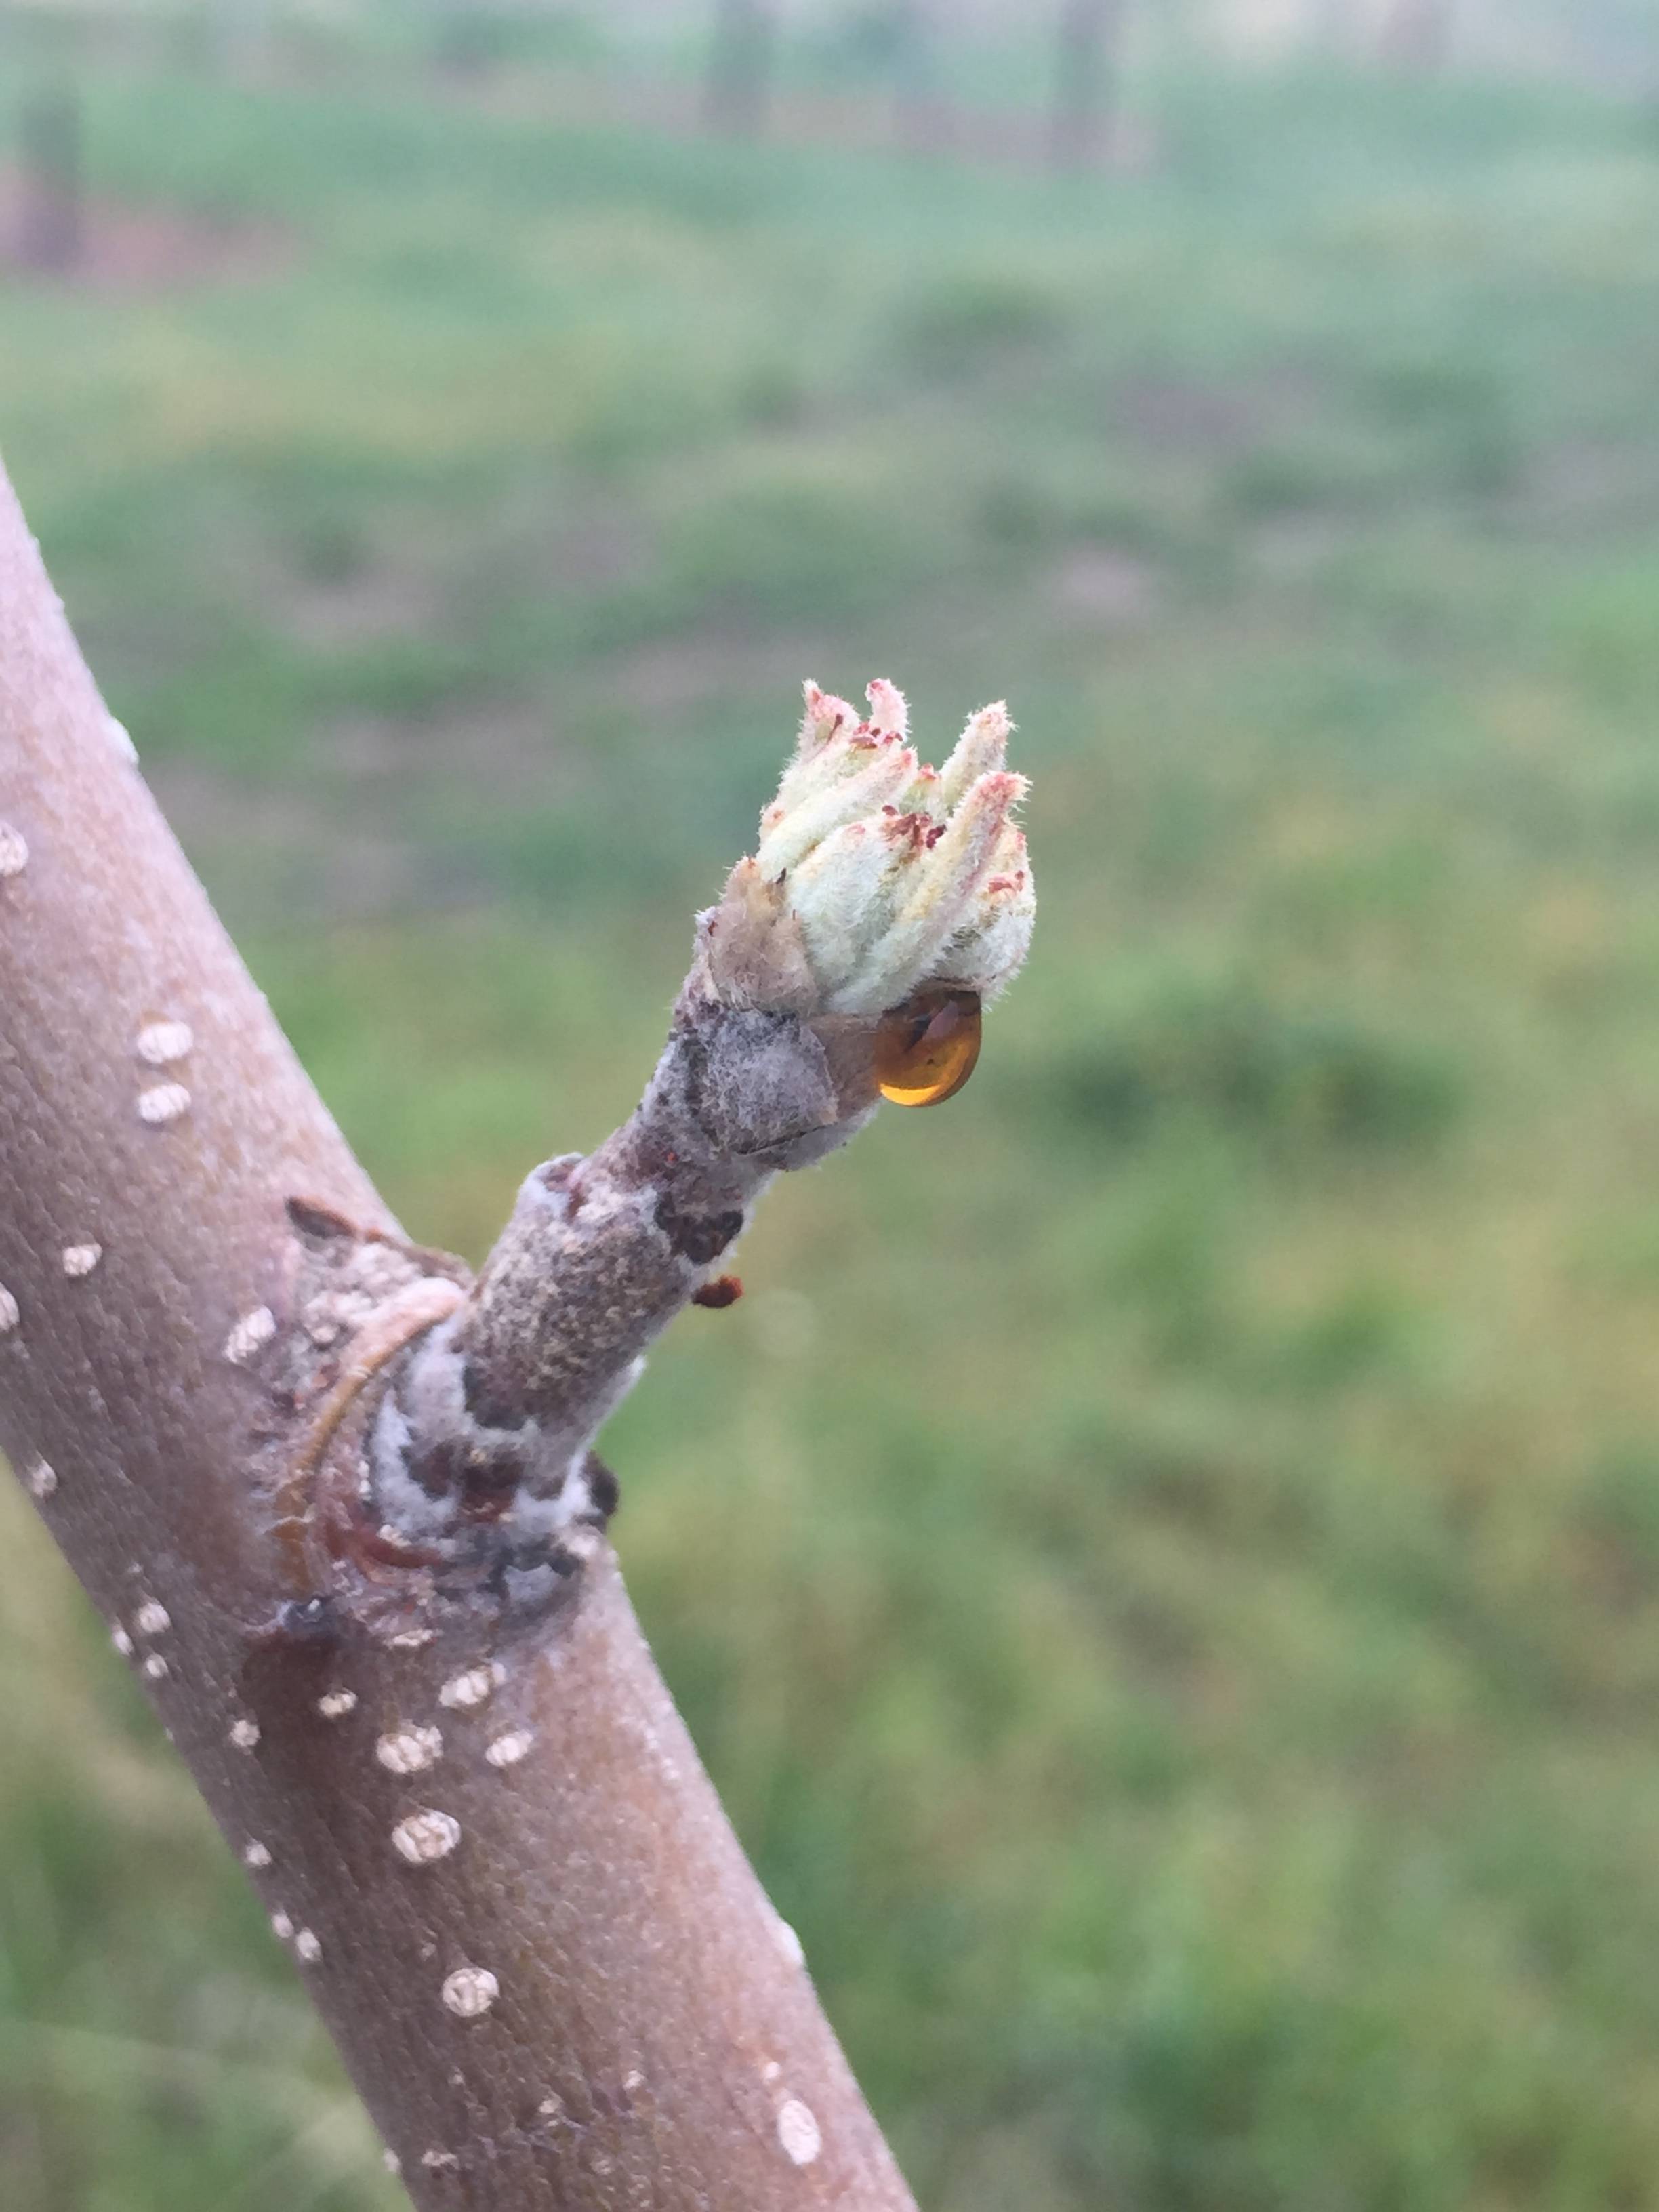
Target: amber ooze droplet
[926, 1048]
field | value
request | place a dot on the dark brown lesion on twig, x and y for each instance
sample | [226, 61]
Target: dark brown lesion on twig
[696, 1237]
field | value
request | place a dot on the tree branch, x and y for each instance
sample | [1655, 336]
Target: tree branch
[339, 1503]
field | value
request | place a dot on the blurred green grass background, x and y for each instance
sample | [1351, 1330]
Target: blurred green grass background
[1164, 1562]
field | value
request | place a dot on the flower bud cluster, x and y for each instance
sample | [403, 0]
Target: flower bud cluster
[875, 875]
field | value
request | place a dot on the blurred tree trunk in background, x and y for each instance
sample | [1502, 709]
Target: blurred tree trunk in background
[1416, 33]
[738, 82]
[1333, 25]
[463, 37]
[240, 31]
[51, 223]
[919, 113]
[1088, 44]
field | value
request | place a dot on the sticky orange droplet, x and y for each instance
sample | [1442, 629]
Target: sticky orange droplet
[926, 1048]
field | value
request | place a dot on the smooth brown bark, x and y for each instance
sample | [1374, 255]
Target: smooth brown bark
[503, 1873]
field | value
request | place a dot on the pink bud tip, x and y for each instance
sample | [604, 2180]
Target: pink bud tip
[889, 717]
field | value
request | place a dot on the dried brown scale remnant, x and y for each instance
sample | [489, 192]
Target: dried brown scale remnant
[312, 1218]
[603, 1486]
[490, 1413]
[698, 1239]
[389, 1329]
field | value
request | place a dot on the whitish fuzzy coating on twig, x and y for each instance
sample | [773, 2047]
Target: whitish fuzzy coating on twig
[875, 876]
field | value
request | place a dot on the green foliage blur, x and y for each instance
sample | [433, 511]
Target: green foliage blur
[1164, 1562]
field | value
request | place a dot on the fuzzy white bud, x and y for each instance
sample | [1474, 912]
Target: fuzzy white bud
[875, 876]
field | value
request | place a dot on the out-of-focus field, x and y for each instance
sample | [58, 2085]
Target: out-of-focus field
[1164, 1562]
